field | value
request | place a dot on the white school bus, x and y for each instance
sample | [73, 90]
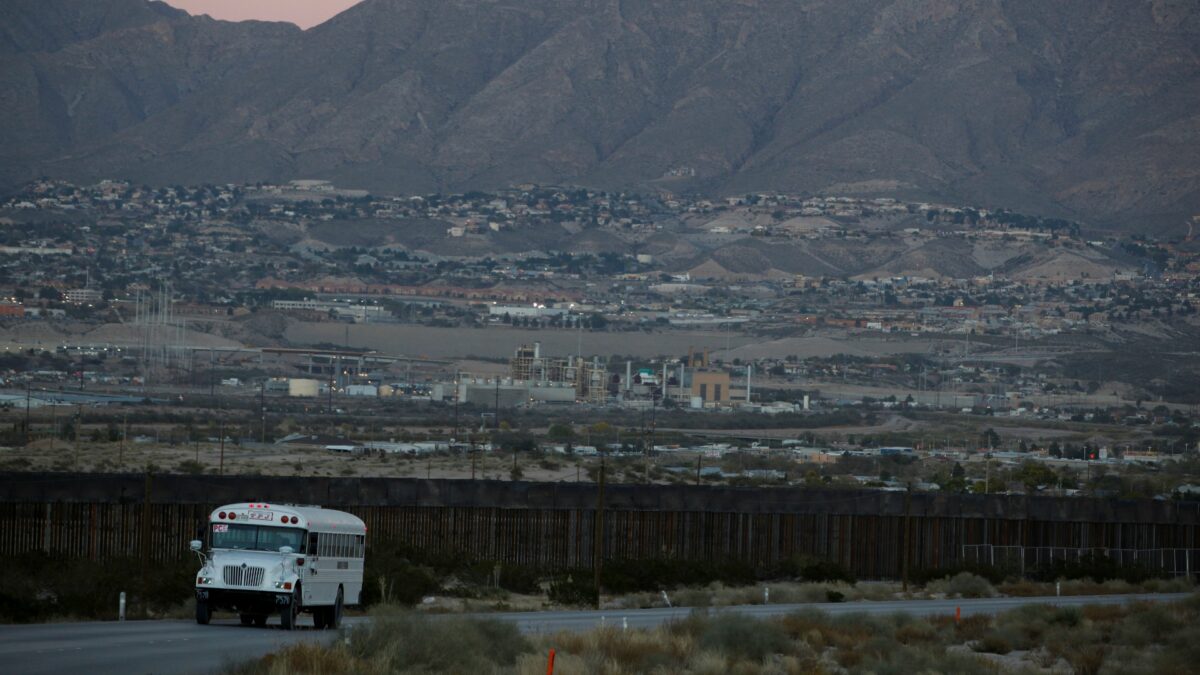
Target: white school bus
[265, 558]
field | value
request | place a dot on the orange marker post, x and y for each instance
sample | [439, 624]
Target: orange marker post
[957, 614]
[550, 664]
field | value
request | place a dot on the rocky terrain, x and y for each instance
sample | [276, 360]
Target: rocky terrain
[1078, 109]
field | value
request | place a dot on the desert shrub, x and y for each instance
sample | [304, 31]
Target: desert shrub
[404, 642]
[397, 581]
[305, 658]
[1023, 588]
[908, 660]
[1082, 646]
[972, 627]
[1092, 566]
[1067, 616]
[1181, 653]
[692, 597]
[520, 579]
[1155, 620]
[577, 588]
[1025, 626]
[744, 637]
[995, 575]
[812, 569]
[629, 576]
[38, 587]
[916, 631]
[190, 466]
[635, 651]
[1175, 585]
[963, 585]
[994, 643]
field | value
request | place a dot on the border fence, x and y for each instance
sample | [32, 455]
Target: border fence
[554, 526]
[1172, 562]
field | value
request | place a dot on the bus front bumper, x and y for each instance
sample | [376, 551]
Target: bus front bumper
[246, 601]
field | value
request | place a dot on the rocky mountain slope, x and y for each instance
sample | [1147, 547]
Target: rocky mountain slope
[1088, 109]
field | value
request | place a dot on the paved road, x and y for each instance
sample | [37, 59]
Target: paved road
[171, 647]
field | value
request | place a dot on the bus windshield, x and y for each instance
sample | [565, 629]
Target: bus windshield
[256, 537]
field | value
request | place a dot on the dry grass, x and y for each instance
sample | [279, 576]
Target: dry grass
[1026, 589]
[781, 593]
[961, 585]
[1137, 638]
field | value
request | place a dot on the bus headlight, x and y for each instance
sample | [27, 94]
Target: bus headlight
[203, 581]
[283, 585]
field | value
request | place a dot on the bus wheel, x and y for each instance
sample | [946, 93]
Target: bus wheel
[246, 619]
[335, 612]
[203, 612]
[291, 612]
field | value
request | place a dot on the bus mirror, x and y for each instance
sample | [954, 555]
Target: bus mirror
[196, 545]
[286, 550]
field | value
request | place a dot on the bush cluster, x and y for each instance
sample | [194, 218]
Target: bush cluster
[1095, 567]
[1136, 638]
[39, 587]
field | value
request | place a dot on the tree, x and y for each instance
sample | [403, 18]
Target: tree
[560, 432]
[990, 438]
[1036, 474]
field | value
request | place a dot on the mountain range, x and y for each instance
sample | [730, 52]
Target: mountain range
[1084, 109]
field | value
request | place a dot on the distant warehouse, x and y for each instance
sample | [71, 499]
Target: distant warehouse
[341, 310]
[525, 311]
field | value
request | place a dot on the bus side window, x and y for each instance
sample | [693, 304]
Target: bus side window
[361, 546]
[312, 543]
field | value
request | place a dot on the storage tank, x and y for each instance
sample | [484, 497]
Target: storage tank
[304, 388]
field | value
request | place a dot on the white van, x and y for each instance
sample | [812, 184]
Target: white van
[262, 558]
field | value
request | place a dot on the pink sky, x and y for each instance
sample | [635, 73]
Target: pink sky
[303, 13]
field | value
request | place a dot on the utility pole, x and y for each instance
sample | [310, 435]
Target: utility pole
[124, 435]
[28, 429]
[598, 537]
[907, 527]
[455, 438]
[221, 433]
[78, 423]
[262, 408]
[144, 544]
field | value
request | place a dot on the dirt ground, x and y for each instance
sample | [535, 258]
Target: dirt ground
[272, 460]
